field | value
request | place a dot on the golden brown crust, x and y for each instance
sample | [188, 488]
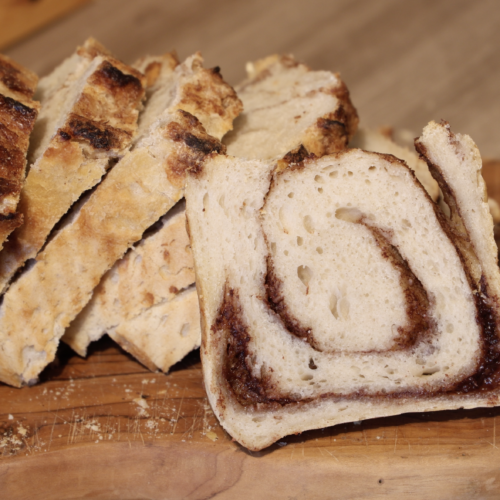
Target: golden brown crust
[18, 113]
[210, 98]
[100, 125]
[18, 80]
[194, 145]
[333, 131]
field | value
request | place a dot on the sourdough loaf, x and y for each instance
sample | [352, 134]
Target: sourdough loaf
[135, 193]
[18, 113]
[88, 116]
[334, 290]
[145, 300]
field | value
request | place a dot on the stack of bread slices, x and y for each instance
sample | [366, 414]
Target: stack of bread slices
[328, 273]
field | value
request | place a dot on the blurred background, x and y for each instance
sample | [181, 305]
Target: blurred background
[405, 62]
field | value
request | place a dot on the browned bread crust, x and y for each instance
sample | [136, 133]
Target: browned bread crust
[18, 113]
[100, 125]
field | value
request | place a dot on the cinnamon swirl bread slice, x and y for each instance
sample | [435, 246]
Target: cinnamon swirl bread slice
[145, 303]
[18, 112]
[89, 110]
[334, 290]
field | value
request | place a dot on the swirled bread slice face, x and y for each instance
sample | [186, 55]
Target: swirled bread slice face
[18, 112]
[285, 99]
[89, 110]
[152, 281]
[109, 311]
[371, 140]
[332, 290]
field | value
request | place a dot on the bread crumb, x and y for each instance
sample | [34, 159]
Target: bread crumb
[212, 436]
[141, 402]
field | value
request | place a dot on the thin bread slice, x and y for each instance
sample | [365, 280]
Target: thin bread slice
[89, 110]
[455, 162]
[119, 303]
[138, 190]
[372, 140]
[147, 302]
[334, 290]
[18, 112]
[204, 93]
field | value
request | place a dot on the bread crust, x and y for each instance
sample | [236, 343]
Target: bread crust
[18, 112]
[144, 298]
[315, 104]
[100, 125]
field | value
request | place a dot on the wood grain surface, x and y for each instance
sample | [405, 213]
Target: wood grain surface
[19, 18]
[107, 428]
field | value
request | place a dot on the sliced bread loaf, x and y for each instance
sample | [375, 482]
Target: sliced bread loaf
[134, 301]
[18, 113]
[90, 105]
[138, 190]
[334, 290]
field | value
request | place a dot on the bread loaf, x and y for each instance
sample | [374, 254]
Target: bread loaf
[137, 191]
[134, 302]
[18, 112]
[334, 290]
[90, 105]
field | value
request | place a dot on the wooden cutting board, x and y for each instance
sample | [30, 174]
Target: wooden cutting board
[107, 428]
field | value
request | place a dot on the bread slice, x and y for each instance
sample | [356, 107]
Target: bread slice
[334, 290]
[147, 302]
[18, 113]
[372, 140]
[285, 99]
[137, 191]
[90, 105]
[133, 302]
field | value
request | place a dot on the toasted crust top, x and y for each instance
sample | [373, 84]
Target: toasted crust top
[18, 113]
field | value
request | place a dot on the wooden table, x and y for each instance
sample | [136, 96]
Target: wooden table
[107, 428]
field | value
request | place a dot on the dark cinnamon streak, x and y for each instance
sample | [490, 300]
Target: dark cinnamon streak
[247, 389]
[487, 376]
[417, 302]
